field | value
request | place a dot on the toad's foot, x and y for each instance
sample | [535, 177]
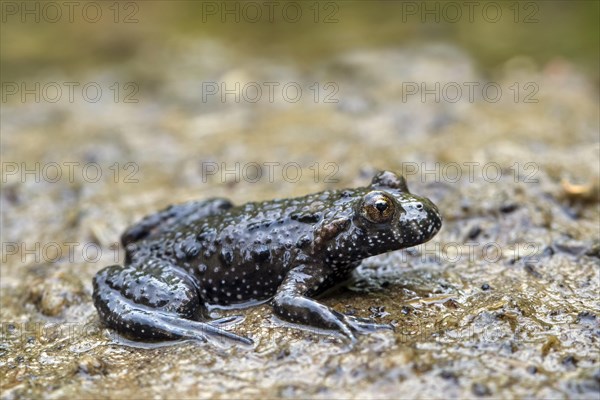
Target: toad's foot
[292, 304]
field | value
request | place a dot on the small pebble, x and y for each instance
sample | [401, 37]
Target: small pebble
[479, 389]
[532, 369]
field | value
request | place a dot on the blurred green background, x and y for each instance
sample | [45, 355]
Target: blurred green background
[542, 30]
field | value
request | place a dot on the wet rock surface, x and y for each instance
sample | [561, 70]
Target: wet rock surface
[503, 302]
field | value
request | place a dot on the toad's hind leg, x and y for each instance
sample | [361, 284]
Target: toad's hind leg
[158, 301]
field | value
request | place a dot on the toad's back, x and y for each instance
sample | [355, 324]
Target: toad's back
[242, 253]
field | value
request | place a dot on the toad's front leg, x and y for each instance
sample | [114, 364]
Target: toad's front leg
[292, 303]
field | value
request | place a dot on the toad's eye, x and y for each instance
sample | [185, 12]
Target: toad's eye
[377, 207]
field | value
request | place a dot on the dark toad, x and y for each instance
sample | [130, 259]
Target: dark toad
[211, 253]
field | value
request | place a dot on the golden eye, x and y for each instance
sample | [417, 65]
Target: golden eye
[377, 207]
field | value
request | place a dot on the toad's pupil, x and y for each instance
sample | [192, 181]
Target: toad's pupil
[381, 206]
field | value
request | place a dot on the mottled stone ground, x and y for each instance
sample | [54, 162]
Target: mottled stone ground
[503, 302]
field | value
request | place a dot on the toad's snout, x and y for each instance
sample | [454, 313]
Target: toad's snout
[423, 218]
